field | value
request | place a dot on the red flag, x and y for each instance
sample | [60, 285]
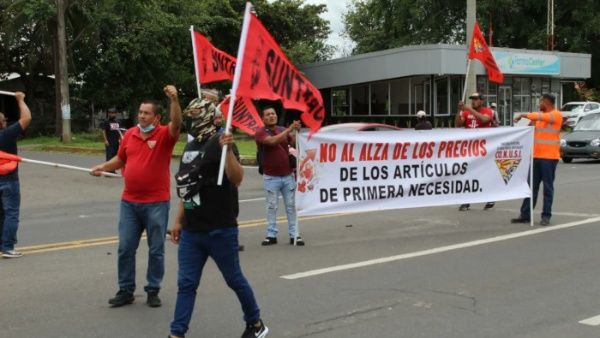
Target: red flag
[213, 64]
[8, 162]
[245, 115]
[480, 51]
[268, 74]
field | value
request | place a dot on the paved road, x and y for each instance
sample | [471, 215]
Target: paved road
[430, 272]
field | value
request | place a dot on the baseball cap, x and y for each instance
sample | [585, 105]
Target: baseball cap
[421, 113]
[112, 110]
[211, 93]
[476, 96]
[493, 105]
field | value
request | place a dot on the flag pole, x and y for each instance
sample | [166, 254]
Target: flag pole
[234, 87]
[2, 92]
[531, 178]
[196, 68]
[296, 190]
[466, 75]
[65, 166]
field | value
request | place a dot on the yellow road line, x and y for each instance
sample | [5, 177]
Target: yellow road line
[86, 243]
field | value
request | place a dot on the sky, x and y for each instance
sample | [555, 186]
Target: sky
[335, 9]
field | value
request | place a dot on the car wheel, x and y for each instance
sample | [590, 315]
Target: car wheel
[567, 159]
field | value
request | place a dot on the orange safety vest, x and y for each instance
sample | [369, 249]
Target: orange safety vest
[547, 134]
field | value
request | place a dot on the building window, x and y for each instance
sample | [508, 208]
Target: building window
[441, 86]
[399, 89]
[380, 98]
[521, 95]
[455, 93]
[360, 99]
[340, 102]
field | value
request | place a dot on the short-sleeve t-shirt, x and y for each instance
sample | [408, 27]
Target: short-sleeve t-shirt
[214, 206]
[472, 122]
[111, 128]
[146, 172]
[8, 144]
[275, 157]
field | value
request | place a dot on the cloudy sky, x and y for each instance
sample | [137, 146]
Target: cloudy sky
[335, 9]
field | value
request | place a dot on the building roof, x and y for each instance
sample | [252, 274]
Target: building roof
[439, 59]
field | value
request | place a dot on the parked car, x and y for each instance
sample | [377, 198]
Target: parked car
[572, 112]
[584, 141]
[357, 126]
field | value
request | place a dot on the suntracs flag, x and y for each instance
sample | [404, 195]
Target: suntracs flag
[213, 64]
[245, 115]
[268, 74]
[480, 51]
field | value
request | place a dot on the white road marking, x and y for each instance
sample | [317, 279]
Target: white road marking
[593, 321]
[434, 251]
[252, 199]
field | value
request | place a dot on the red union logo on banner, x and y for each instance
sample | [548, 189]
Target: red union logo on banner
[245, 115]
[214, 64]
[268, 74]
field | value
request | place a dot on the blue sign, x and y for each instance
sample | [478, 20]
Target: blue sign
[526, 63]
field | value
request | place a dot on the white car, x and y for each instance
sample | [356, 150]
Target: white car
[572, 112]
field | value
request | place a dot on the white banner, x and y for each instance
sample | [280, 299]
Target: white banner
[379, 170]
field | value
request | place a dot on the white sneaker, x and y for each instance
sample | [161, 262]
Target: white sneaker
[11, 254]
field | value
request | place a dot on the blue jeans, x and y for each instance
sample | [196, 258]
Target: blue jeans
[543, 171]
[11, 202]
[194, 250]
[134, 218]
[286, 185]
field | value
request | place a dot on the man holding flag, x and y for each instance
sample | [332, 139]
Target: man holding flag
[9, 179]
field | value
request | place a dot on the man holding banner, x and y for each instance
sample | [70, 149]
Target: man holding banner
[546, 153]
[9, 179]
[273, 143]
[476, 116]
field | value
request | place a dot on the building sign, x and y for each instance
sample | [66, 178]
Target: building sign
[525, 63]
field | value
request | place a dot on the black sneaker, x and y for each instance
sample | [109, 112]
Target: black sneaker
[488, 205]
[153, 300]
[299, 241]
[545, 221]
[253, 331]
[123, 297]
[520, 219]
[464, 207]
[269, 241]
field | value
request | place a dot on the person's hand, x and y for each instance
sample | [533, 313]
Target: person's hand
[461, 105]
[295, 125]
[20, 96]
[175, 233]
[171, 92]
[226, 139]
[518, 117]
[105, 142]
[97, 170]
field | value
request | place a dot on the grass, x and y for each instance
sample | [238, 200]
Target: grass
[93, 142]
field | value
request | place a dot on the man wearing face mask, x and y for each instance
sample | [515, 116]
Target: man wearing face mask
[144, 155]
[206, 222]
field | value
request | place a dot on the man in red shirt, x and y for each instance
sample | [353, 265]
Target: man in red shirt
[476, 116]
[273, 143]
[145, 156]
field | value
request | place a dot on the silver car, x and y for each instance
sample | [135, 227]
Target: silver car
[572, 112]
[584, 141]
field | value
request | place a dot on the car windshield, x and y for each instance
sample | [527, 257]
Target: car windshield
[591, 122]
[572, 107]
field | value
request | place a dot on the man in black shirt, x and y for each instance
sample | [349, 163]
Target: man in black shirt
[9, 179]
[206, 221]
[422, 122]
[111, 131]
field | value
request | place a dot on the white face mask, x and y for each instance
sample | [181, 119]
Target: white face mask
[148, 129]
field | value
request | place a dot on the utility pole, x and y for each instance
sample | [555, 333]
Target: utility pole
[470, 81]
[63, 75]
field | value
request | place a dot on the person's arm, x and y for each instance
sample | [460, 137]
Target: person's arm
[276, 139]
[233, 168]
[104, 135]
[459, 121]
[542, 116]
[176, 229]
[174, 111]
[110, 165]
[25, 113]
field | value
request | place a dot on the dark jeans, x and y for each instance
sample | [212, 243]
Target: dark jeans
[10, 193]
[111, 151]
[134, 218]
[194, 250]
[543, 171]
